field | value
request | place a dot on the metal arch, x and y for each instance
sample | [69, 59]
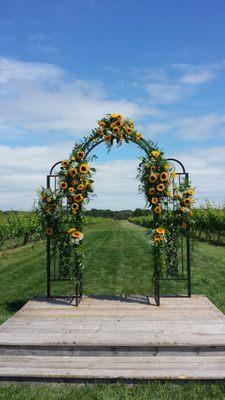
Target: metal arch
[58, 162]
[178, 162]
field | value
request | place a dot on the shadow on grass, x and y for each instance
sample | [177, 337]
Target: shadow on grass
[15, 305]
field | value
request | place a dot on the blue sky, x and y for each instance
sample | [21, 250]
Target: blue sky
[63, 64]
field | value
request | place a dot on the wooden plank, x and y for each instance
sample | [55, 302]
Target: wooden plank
[113, 367]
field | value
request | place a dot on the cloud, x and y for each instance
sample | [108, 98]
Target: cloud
[24, 170]
[43, 98]
[167, 93]
[206, 168]
[197, 128]
[196, 78]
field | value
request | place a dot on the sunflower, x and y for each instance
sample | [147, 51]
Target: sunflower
[72, 171]
[49, 231]
[73, 182]
[84, 168]
[191, 192]
[101, 123]
[168, 193]
[157, 239]
[72, 158]
[153, 178]
[184, 225]
[151, 191]
[173, 174]
[157, 210]
[160, 231]
[107, 138]
[164, 176]
[128, 129]
[175, 196]
[81, 187]
[65, 163]
[187, 201]
[71, 189]
[166, 166]
[114, 115]
[77, 235]
[138, 136]
[153, 168]
[155, 153]
[120, 136]
[160, 187]
[43, 196]
[120, 116]
[154, 200]
[182, 209]
[80, 154]
[71, 230]
[78, 198]
[116, 129]
[63, 185]
[74, 206]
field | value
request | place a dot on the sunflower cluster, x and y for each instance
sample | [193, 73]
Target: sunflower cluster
[49, 210]
[156, 180]
[117, 127]
[75, 180]
[159, 234]
[75, 235]
[184, 202]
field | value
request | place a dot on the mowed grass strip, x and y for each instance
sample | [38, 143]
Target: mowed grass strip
[117, 260]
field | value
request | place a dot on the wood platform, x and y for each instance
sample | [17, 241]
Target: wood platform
[112, 338]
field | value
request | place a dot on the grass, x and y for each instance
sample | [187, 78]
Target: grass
[117, 260]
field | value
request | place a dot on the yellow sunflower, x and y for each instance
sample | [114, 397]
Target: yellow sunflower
[84, 168]
[160, 231]
[78, 198]
[65, 163]
[154, 200]
[114, 115]
[72, 171]
[153, 178]
[184, 225]
[190, 213]
[81, 187]
[74, 206]
[63, 185]
[157, 239]
[71, 189]
[77, 235]
[101, 123]
[138, 136]
[164, 176]
[173, 174]
[155, 153]
[157, 210]
[116, 129]
[187, 201]
[160, 187]
[153, 168]
[71, 230]
[128, 129]
[49, 231]
[151, 191]
[80, 154]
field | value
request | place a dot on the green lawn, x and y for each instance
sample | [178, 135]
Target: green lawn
[118, 260]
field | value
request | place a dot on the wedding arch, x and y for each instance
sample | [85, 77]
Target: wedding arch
[167, 190]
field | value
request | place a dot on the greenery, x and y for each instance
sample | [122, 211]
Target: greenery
[118, 260]
[208, 222]
[120, 391]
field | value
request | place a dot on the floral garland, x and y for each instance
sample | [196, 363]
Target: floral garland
[156, 181]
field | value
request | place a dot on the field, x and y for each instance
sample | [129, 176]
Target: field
[118, 260]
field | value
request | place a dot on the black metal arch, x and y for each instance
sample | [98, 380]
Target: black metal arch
[181, 272]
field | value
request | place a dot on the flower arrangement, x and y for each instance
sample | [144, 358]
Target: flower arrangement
[75, 184]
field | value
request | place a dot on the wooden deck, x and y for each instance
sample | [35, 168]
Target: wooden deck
[114, 337]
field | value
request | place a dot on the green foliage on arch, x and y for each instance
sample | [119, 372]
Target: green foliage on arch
[155, 173]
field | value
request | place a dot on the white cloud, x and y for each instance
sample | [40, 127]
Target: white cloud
[166, 93]
[196, 78]
[38, 98]
[195, 128]
[24, 171]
